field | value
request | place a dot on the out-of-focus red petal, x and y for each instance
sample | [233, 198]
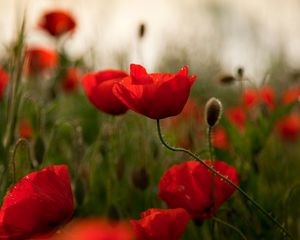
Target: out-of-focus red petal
[160, 224]
[38, 204]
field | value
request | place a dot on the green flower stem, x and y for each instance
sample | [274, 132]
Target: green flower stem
[16, 72]
[263, 211]
[13, 156]
[211, 156]
[230, 226]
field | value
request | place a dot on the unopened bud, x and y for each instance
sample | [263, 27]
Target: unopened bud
[213, 111]
[240, 72]
[227, 79]
[142, 29]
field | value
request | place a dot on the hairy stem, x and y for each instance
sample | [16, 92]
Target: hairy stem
[257, 205]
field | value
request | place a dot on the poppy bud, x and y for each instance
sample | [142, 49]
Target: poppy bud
[227, 79]
[140, 178]
[142, 29]
[213, 111]
[240, 72]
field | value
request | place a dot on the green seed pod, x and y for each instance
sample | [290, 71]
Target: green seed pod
[213, 111]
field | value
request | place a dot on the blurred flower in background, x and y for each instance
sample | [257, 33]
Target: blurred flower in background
[289, 127]
[25, 128]
[161, 224]
[96, 229]
[71, 80]
[235, 33]
[57, 22]
[220, 138]
[291, 95]
[3, 81]
[40, 60]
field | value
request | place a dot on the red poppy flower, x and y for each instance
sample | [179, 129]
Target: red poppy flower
[291, 95]
[37, 205]
[3, 82]
[96, 229]
[71, 79]
[25, 129]
[189, 185]
[157, 95]
[98, 88]
[40, 59]
[237, 116]
[57, 22]
[160, 224]
[250, 97]
[289, 127]
[220, 138]
[267, 97]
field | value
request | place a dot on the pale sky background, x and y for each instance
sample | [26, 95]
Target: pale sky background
[235, 32]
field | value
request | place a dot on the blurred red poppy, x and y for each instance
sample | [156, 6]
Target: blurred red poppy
[250, 97]
[157, 95]
[3, 82]
[265, 95]
[220, 138]
[160, 224]
[190, 113]
[57, 22]
[289, 127]
[188, 125]
[96, 229]
[37, 205]
[71, 79]
[189, 185]
[237, 116]
[98, 88]
[25, 129]
[39, 60]
[291, 95]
